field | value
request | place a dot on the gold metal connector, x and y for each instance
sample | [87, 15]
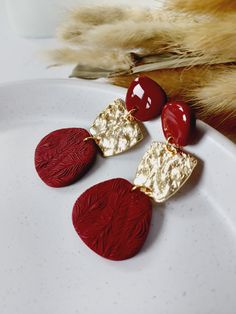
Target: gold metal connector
[96, 140]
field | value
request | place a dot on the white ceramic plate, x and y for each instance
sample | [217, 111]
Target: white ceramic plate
[188, 263]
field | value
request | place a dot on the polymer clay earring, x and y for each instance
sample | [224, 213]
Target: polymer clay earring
[113, 217]
[65, 155]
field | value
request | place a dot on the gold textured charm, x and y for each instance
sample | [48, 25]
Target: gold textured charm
[162, 171]
[114, 130]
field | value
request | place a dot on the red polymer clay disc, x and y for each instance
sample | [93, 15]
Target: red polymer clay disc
[63, 156]
[112, 220]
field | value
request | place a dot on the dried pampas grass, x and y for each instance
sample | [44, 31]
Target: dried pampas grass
[115, 59]
[202, 6]
[191, 55]
[215, 38]
[100, 15]
[216, 101]
[137, 31]
[89, 18]
[158, 33]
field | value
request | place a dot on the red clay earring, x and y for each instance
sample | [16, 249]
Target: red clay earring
[64, 155]
[178, 122]
[113, 217]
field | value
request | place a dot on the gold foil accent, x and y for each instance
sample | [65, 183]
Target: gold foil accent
[162, 171]
[114, 130]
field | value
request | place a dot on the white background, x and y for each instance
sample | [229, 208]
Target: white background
[19, 57]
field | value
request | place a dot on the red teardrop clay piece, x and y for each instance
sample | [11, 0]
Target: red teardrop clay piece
[112, 220]
[63, 156]
[178, 122]
[147, 97]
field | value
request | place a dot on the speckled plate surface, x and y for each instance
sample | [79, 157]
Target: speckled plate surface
[188, 263]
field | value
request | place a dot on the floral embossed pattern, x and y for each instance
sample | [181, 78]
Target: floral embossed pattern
[112, 219]
[63, 156]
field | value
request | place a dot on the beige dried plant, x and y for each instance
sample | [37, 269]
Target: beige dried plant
[191, 54]
[201, 6]
[178, 38]
[115, 59]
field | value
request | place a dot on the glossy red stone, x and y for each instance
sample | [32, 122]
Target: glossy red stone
[62, 156]
[178, 122]
[147, 97]
[112, 220]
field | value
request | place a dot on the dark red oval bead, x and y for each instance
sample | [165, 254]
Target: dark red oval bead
[178, 122]
[147, 97]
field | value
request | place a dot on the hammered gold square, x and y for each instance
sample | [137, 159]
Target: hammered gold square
[163, 170]
[114, 131]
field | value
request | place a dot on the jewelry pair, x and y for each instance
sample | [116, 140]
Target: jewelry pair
[113, 217]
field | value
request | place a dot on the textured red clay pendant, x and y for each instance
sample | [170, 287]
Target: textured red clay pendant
[63, 156]
[113, 220]
[113, 217]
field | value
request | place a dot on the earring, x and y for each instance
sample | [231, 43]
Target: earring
[65, 155]
[113, 217]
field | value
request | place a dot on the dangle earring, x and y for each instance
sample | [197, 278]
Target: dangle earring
[113, 217]
[65, 155]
